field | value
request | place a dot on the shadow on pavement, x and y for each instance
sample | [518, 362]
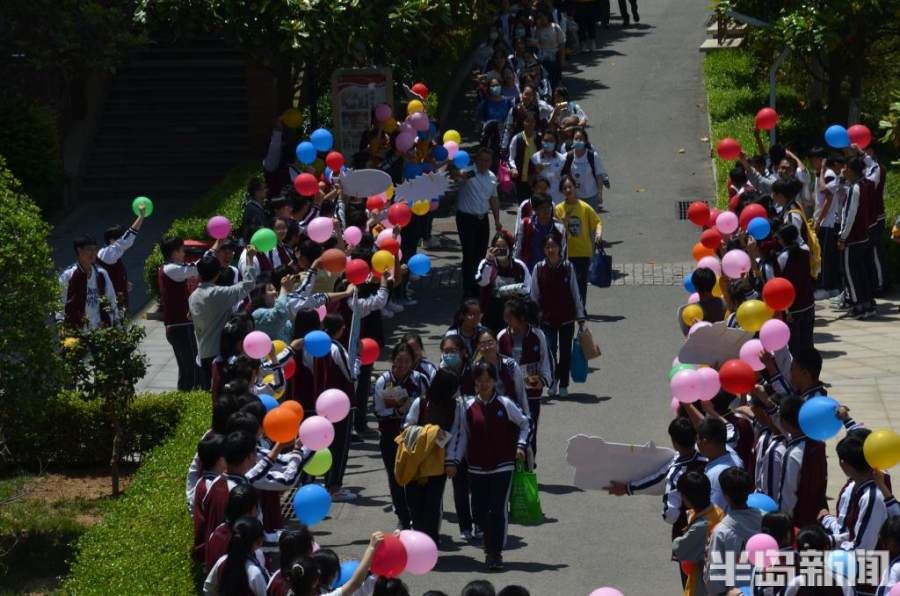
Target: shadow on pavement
[559, 489]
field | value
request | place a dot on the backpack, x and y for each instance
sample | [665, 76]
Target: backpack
[570, 157]
[812, 241]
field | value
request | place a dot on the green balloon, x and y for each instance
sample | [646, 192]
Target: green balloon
[319, 463]
[264, 239]
[678, 368]
[135, 206]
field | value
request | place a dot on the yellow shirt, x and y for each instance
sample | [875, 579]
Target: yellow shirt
[581, 221]
[530, 149]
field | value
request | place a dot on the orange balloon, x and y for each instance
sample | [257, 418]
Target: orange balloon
[334, 260]
[293, 406]
[281, 425]
[701, 251]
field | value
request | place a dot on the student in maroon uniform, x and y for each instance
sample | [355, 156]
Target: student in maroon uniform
[292, 544]
[554, 288]
[467, 324]
[804, 473]
[510, 380]
[172, 279]
[500, 277]
[109, 257]
[422, 364]
[493, 438]
[211, 453]
[853, 239]
[240, 571]
[242, 502]
[88, 296]
[531, 232]
[792, 263]
[395, 391]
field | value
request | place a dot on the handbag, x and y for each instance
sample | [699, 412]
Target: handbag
[504, 179]
[524, 499]
[601, 269]
[590, 349]
[578, 367]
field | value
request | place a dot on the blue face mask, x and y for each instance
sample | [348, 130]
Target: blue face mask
[496, 90]
[579, 145]
[549, 146]
[451, 361]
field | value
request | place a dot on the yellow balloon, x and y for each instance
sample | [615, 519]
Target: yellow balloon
[280, 393]
[382, 261]
[278, 346]
[389, 192]
[421, 207]
[882, 449]
[717, 288]
[292, 118]
[452, 135]
[390, 125]
[691, 314]
[415, 106]
[752, 314]
[319, 463]
[70, 343]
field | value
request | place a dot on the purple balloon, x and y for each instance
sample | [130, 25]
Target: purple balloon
[405, 141]
[382, 112]
[419, 121]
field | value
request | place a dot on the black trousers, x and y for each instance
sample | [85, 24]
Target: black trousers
[534, 405]
[426, 505]
[462, 500]
[412, 234]
[205, 373]
[801, 326]
[603, 11]
[490, 501]
[586, 18]
[340, 451]
[474, 237]
[184, 344]
[398, 495]
[360, 424]
[831, 259]
[858, 265]
[582, 269]
[876, 243]
[623, 10]
[560, 337]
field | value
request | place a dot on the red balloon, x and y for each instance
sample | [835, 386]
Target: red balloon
[750, 211]
[334, 260]
[290, 367]
[779, 293]
[399, 214]
[369, 350]
[737, 377]
[357, 271]
[711, 238]
[335, 161]
[860, 135]
[713, 214]
[420, 89]
[698, 213]
[391, 245]
[728, 149]
[766, 119]
[375, 203]
[389, 558]
[306, 185]
[733, 203]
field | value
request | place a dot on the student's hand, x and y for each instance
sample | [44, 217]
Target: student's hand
[251, 254]
[616, 488]
[520, 454]
[822, 514]
[491, 255]
[841, 245]
[142, 209]
[514, 173]
[842, 413]
[878, 476]
[375, 539]
[450, 471]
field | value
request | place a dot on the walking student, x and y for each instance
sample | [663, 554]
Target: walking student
[88, 295]
[584, 229]
[172, 279]
[477, 197]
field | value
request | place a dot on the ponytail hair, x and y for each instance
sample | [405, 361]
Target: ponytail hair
[245, 533]
[302, 576]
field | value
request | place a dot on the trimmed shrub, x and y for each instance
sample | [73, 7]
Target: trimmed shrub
[143, 544]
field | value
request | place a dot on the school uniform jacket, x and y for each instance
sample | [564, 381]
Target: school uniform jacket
[793, 265]
[390, 418]
[332, 371]
[804, 477]
[110, 258]
[890, 577]
[535, 356]
[510, 382]
[469, 341]
[74, 282]
[198, 495]
[673, 508]
[417, 415]
[514, 280]
[217, 545]
[858, 213]
[173, 290]
[427, 368]
[768, 457]
[866, 512]
[555, 289]
[492, 432]
[525, 237]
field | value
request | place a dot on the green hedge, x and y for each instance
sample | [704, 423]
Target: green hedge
[225, 198]
[29, 138]
[143, 544]
[67, 430]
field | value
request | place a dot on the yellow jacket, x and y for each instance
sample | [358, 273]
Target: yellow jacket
[418, 455]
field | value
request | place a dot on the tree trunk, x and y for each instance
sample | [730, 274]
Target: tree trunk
[114, 459]
[837, 103]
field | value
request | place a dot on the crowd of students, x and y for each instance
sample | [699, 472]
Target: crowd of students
[734, 445]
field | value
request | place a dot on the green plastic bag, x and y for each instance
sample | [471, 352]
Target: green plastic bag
[524, 500]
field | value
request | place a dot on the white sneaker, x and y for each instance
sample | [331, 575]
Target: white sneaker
[466, 535]
[563, 392]
[433, 242]
[344, 494]
[553, 391]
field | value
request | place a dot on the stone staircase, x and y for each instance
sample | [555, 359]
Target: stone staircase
[175, 119]
[723, 33]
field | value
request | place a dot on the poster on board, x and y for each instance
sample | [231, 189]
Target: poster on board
[355, 92]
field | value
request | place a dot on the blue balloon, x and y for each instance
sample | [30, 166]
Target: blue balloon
[322, 139]
[270, 402]
[759, 228]
[462, 159]
[688, 284]
[306, 152]
[419, 264]
[818, 418]
[348, 568]
[317, 343]
[311, 504]
[762, 501]
[439, 153]
[837, 136]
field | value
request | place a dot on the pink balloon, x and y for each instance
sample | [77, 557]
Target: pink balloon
[333, 404]
[698, 325]
[352, 235]
[709, 382]
[606, 592]
[694, 298]
[316, 432]
[685, 386]
[452, 148]
[421, 551]
[405, 141]
[218, 227]
[735, 263]
[321, 311]
[774, 335]
[419, 121]
[384, 234]
[895, 591]
[727, 222]
[257, 344]
[382, 112]
[320, 229]
[674, 405]
[386, 224]
[711, 263]
[750, 352]
[762, 550]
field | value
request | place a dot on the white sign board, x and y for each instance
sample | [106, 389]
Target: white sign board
[597, 463]
[355, 93]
